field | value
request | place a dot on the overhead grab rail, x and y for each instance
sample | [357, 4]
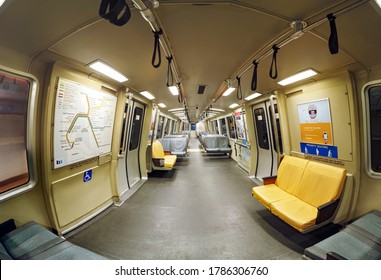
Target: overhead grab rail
[302, 28]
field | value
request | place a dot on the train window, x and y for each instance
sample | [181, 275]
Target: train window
[160, 127]
[278, 128]
[260, 124]
[17, 129]
[136, 128]
[231, 127]
[223, 127]
[372, 94]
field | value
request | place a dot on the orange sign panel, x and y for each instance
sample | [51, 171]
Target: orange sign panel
[317, 133]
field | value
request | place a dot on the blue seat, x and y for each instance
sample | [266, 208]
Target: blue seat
[359, 240]
[33, 241]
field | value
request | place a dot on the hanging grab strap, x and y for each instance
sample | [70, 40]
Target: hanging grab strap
[239, 89]
[333, 42]
[115, 11]
[169, 72]
[274, 66]
[254, 80]
[180, 96]
[156, 49]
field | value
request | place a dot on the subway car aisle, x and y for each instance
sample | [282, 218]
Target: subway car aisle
[202, 210]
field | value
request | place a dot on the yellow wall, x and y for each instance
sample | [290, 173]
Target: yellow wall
[70, 200]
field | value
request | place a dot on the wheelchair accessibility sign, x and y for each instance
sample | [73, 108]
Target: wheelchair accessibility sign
[87, 176]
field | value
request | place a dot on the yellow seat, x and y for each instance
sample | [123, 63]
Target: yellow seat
[305, 193]
[160, 160]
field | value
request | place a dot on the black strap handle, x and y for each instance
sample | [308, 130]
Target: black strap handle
[254, 80]
[333, 42]
[239, 89]
[274, 66]
[156, 49]
[180, 96]
[169, 72]
[115, 11]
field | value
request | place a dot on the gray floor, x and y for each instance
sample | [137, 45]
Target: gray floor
[202, 210]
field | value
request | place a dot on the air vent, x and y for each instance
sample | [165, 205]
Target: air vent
[201, 89]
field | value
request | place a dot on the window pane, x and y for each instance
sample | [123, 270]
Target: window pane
[231, 127]
[260, 124]
[136, 128]
[14, 95]
[375, 127]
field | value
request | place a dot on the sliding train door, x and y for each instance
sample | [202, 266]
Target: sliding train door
[268, 136]
[122, 174]
[133, 161]
[129, 173]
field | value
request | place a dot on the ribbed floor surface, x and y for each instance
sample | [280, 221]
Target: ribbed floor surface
[202, 210]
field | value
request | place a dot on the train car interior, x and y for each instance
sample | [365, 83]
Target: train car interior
[190, 129]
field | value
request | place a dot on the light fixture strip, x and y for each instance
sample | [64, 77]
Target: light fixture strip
[174, 90]
[108, 71]
[298, 77]
[147, 95]
[228, 91]
[252, 96]
[234, 105]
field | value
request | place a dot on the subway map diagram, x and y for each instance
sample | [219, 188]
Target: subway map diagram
[83, 123]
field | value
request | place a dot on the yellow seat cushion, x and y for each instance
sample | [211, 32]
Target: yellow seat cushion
[268, 194]
[169, 161]
[295, 212]
[290, 173]
[321, 183]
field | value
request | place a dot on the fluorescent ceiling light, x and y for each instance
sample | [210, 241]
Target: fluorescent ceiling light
[378, 3]
[161, 105]
[298, 77]
[252, 96]
[234, 105]
[229, 91]
[2, 2]
[108, 71]
[177, 109]
[217, 110]
[174, 90]
[147, 94]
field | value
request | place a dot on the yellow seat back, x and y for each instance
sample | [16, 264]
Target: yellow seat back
[157, 150]
[290, 173]
[321, 183]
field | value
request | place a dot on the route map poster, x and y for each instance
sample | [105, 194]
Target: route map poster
[83, 123]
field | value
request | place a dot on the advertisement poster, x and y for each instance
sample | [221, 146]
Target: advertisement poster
[240, 124]
[315, 122]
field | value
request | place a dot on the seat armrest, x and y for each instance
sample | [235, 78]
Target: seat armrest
[159, 162]
[326, 211]
[269, 180]
[334, 256]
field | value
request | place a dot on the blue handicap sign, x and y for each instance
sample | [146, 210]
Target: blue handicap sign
[319, 150]
[87, 176]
